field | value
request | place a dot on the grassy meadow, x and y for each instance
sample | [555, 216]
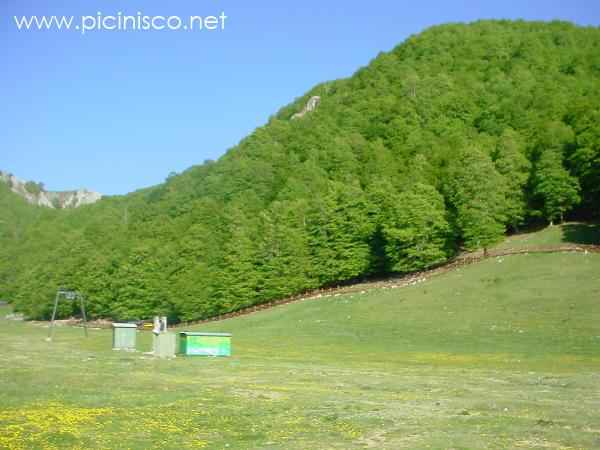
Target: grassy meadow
[501, 354]
[568, 233]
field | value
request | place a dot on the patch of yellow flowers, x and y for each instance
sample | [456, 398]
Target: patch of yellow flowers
[53, 425]
[34, 425]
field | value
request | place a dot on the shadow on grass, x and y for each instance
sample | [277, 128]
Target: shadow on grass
[581, 233]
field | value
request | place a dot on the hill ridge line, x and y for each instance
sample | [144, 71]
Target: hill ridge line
[397, 282]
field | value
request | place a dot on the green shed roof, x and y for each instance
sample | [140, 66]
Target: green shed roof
[188, 333]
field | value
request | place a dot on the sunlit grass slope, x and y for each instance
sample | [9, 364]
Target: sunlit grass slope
[519, 309]
[501, 354]
[568, 233]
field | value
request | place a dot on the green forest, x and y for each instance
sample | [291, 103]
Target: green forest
[459, 135]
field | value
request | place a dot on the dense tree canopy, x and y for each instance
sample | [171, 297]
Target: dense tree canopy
[477, 195]
[444, 143]
[557, 189]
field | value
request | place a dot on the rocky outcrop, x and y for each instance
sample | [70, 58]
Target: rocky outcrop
[35, 194]
[311, 106]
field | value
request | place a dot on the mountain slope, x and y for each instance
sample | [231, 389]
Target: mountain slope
[456, 135]
[16, 217]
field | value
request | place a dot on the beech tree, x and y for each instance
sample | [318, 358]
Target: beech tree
[585, 157]
[558, 190]
[416, 230]
[477, 194]
[513, 165]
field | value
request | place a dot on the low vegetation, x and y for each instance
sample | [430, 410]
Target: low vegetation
[500, 354]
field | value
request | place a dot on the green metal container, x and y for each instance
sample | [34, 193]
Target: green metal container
[124, 335]
[205, 344]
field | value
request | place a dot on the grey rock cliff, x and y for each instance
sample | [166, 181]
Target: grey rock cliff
[37, 195]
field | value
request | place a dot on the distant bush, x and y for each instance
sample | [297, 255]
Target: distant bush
[34, 188]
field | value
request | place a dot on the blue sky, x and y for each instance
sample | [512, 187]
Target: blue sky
[118, 111]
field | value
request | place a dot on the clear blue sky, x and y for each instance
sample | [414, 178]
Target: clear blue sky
[118, 111]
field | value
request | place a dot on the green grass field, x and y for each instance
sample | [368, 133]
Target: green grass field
[501, 354]
[568, 233]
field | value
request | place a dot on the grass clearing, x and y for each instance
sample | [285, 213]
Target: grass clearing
[567, 233]
[500, 354]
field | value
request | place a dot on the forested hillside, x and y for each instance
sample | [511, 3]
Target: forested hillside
[456, 136]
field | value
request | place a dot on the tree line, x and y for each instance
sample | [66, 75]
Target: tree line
[458, 135]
